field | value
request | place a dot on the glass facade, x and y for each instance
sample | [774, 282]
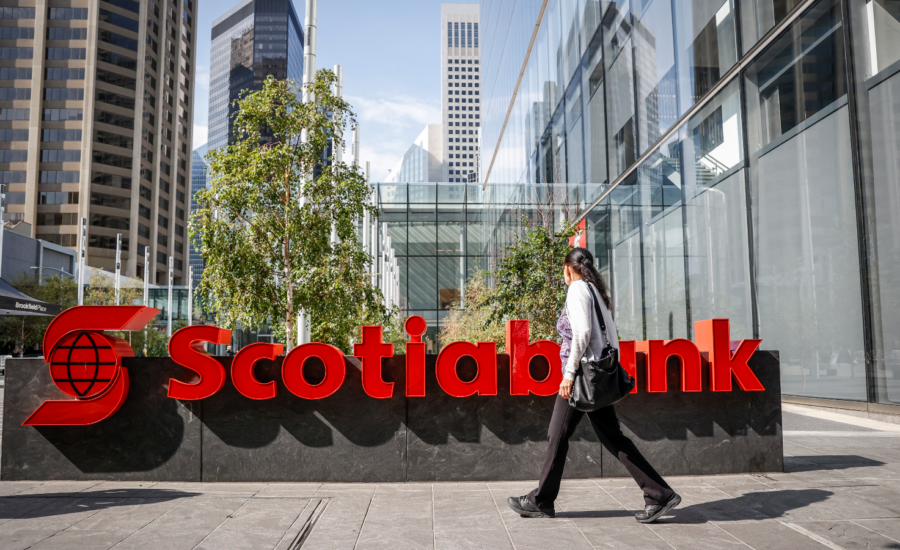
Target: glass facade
[730, 158]
[198, 182]
[436, 231]
[257, 38]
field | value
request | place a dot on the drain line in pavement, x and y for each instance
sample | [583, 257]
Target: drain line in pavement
[310, 524]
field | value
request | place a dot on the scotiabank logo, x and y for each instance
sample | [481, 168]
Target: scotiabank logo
[85, 363]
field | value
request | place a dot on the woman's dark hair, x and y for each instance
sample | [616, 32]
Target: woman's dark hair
[582, 261]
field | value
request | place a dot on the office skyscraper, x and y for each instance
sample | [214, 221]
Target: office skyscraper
[460, 90]
[423, 160]
[255, 39]
[96, 122]
[198, 182]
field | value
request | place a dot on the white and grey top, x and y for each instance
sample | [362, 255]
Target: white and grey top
[587, 338]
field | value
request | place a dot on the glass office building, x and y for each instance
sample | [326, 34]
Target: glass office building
[253, 40]
[730, 158]
[198, 182]
[436, 231]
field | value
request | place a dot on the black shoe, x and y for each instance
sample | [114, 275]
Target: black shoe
[652, 512]
[524, 507]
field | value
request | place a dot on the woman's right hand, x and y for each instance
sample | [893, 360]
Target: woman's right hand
[565, 388]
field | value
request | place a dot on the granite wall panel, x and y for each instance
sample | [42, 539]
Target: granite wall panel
[347, 436]
[481, 438]
[151, 438]
[705, 432]
[352, 437]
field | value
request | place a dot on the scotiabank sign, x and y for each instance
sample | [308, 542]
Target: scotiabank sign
[85, 363]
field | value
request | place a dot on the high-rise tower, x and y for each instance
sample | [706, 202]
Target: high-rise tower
[96, 122]
[255, 39]
[460, 90]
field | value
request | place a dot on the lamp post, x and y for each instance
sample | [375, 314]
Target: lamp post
[190, 298]
[82, 248]
[118, 265]
[145, 303]
[2, 224]
[171, 282]
[309, 75]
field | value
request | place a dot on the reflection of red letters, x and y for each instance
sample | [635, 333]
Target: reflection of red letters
[186, 347]
[658, 353]
[415, 327]
[714, 337]
[485, 382]
[370, 352]
[521, 352]
[628, 359]
[292, 370]
[242, 370]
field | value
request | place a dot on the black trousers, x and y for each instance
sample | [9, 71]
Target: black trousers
[562, 425]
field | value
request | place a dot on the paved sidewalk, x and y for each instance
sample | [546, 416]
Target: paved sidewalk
[841, 490]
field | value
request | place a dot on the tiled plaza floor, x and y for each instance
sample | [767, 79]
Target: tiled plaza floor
[841, 490]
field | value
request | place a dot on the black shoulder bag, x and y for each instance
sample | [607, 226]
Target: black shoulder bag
[602, 382]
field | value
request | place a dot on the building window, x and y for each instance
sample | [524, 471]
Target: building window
[58, 33]
[15, 93]
[55, 134]
[66, 53]
[63, 94]
[17, 53]
[63, 13]
[58, 197]
[60, 155]
[17, 13]
[10, 134]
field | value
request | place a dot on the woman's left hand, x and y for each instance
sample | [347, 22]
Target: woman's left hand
[565, 388]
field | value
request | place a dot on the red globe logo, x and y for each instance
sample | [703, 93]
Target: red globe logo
[84, 364]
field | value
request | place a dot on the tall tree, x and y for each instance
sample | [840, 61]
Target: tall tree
[528, 279]
[277, 228]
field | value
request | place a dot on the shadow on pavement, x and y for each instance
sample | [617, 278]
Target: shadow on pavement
[750, 506]
[53, 504]
[827, 462]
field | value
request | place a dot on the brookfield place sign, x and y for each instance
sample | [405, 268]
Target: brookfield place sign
[85, 363]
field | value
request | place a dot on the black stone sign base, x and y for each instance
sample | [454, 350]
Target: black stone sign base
[351, 437]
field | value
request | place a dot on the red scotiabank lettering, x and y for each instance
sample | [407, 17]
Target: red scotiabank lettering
[242, 367]
[658, 353]
[628, 359]
[714, 337]
[371, 351]
[521, 352]
[485, 381]
[99, 383]
[335, 370]
[415, 327]
[187, 348]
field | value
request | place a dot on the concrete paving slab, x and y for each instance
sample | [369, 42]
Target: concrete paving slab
[842, 490]
[84, 539]
[769, 535]
[889, 528]
[848, 535]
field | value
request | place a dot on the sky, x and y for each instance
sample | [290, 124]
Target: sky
[391, 56]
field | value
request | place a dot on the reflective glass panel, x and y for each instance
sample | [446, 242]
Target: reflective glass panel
[804, 217]
[707, 46]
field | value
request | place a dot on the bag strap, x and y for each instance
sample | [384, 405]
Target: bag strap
[599, 312]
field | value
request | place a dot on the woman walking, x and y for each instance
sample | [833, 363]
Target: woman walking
[582, 337]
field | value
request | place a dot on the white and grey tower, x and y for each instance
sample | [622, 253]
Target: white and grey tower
[460, 90]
